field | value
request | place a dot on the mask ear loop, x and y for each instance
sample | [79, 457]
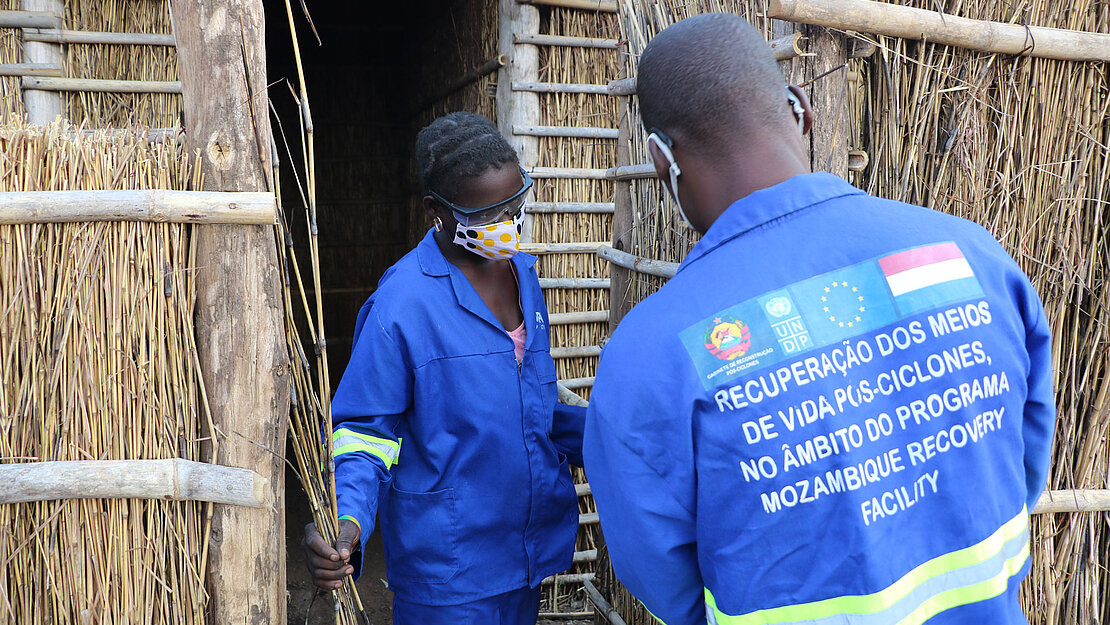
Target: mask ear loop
[674, 169]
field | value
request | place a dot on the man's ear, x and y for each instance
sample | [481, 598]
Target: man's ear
[807, 114]
[662, 165]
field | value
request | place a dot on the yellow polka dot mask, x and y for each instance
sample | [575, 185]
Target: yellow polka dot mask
[497, 241]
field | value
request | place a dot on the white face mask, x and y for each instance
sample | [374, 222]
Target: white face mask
[496, 241]
[674, 171]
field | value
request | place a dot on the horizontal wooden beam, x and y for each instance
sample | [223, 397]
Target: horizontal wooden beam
[574, 283]
[660, 268]
[588, 555]
[158, 205]
[1083, 500]
[568, 173]
[584, 351]
[570, 398]
[28, 19]
[578, 132]
[569, 207]
[580, 247]
[567, 42]
[577, 383]
[560, 87]
[58, 35]
[631, 172]
[173, 479]
[603, 6]
[893, 20]
[100, 86]
[622, 86]
[30, 69]
[568, 578]
[586, 316]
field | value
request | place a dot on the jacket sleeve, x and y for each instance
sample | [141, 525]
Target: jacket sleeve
[566, 431]
[376, 389]
[1039, 419]
[639, 462]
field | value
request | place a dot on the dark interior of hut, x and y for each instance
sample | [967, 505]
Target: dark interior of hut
[368, 80]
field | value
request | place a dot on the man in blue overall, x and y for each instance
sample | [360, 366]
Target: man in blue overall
[840, 410]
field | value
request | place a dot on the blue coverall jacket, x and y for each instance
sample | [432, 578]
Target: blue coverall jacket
[461, 450]
[839, 411]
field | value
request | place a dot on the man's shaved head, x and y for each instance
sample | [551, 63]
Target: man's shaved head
[710, 80]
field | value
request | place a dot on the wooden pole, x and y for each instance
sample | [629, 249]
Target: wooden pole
[909, 23]
[517, 107]
[564, 41]
[30, 69]
[620, 290]
[604, 608]
[639, 264]
[473, 76]
[157, 205]
[239, 321]
[580, 132]
[1054, 501]
[557, 87]
[42, 106]
[172, 479]
[57, 35]
[601, 6]
[29, 19]
[574, 283]
[569, 207]
[828, 95]
[32, 84]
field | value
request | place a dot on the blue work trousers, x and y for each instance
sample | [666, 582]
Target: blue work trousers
[516, 607]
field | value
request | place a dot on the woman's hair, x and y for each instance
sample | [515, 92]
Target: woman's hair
[456, 147]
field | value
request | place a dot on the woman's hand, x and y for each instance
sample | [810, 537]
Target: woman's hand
[330, 565]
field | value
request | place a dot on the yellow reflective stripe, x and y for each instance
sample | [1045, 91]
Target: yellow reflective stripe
[969, 594]
[878, 601]
[346, 441]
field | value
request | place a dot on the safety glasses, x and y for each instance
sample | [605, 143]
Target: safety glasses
[486, 215]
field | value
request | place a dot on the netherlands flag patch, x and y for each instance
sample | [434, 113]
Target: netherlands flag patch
[926, 277]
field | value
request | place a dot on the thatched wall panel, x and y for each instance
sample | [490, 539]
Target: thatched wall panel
[115, 62]
[100, 363]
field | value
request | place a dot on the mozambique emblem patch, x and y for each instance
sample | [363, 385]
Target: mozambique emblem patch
[728, 338]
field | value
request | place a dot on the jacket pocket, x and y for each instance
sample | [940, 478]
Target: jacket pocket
[548, 391]
[422, 546]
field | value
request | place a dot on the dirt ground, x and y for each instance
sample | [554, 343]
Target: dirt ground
[376, 598]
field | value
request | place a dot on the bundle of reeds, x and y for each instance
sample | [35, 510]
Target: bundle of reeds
[11, 51]
[98, 362]
[121, 62]
[1018, 145]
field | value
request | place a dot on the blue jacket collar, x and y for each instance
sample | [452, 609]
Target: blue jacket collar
[433, 263]
[767, 205]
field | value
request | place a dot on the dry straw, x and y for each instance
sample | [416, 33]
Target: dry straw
[98, 361]
[1018, 145]
[120, 62]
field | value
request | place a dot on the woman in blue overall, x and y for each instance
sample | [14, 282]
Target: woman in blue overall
[446, 424]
